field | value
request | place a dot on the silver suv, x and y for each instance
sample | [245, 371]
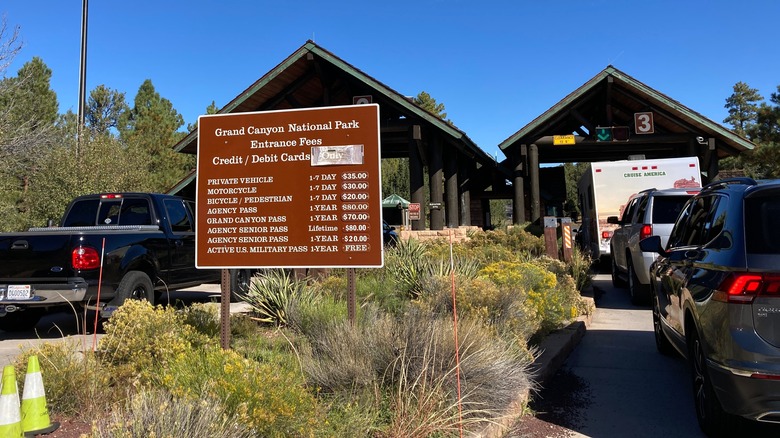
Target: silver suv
[651, 212]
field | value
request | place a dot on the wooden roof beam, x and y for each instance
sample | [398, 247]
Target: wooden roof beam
[659, 111]
[287, 91]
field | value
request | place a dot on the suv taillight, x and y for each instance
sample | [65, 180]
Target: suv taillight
[84, 257]
[744, 287]
[645, 231]
[606, 234]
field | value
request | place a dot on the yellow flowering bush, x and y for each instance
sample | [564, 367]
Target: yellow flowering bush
[269, 398]
[142, 339]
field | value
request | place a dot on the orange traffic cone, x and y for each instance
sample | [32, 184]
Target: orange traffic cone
[10, 418]
[35, 414]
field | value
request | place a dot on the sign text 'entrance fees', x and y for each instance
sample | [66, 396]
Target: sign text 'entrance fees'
[289, 189]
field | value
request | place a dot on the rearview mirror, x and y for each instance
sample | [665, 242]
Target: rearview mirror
[652, 244]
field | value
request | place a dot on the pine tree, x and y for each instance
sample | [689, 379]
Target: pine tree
[150, 129]
[743, 108]
[105, 109]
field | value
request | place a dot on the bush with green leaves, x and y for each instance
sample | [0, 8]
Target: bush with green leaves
[269, 398]
[158, 413]
[77, 383]
[413, 264]
[409, 363]
[272, 293]
[545, 285]
[141, 338]
[516, 239]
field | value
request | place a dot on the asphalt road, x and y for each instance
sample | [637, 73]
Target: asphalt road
[616, 384]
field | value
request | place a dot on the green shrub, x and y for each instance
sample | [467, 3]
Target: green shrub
[157, 413]
[407, 265]
[205, 318]
[413, 265]
[501, 307]
[75, 382]
[580, 269]
[311, 316]
[515, 239]
[410, 361]
[350, 414]
[270, 399]
[140, 339]
[271, 294]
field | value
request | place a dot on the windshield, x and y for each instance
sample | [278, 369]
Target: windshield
[667, 208]
[761, 230]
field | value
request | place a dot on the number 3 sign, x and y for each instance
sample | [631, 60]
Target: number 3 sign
[643, 123]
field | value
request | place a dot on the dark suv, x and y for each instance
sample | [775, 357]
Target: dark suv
[716, 288]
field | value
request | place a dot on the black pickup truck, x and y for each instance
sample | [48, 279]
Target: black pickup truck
[106, 249]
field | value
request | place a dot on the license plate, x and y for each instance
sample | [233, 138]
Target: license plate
[18, 292]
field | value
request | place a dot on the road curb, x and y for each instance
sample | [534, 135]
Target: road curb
[557, 346]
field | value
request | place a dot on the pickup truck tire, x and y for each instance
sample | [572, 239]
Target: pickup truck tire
[135, 285]
[20, 321]
[240, 280]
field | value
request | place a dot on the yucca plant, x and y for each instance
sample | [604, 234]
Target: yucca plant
[408, 265]
[270, 295]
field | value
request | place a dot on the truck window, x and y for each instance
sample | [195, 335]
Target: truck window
[82, 214]
[109, 212]
[667, 208]
[178, 217]
[191, 209]
[135, 212]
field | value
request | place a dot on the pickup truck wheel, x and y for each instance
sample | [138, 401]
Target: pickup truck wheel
[240, 280]
[135, 285]
[21, 320]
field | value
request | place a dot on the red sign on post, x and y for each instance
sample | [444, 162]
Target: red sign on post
[414, 211]
[297, 188]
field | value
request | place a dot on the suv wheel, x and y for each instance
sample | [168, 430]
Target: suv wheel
[636, 289]
[709, 413]
[617, 280]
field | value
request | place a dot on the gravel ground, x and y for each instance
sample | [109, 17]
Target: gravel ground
[556, 409]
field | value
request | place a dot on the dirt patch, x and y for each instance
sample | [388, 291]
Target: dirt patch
[557, 409]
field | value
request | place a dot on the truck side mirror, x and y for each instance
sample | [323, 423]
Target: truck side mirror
[613, 220]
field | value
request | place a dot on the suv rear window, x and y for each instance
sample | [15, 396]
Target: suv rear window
[667, 208]
[762, 233]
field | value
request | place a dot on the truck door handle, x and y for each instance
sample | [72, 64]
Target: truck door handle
[20, 244]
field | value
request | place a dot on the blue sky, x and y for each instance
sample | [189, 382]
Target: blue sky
[494, 64]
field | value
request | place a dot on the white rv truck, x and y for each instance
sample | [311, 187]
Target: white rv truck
[605, 188]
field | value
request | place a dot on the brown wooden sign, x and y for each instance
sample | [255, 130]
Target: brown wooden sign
[297, 188]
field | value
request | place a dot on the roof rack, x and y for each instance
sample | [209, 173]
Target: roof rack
[724, 182]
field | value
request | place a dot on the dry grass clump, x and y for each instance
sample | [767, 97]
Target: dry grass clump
[158, 413]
